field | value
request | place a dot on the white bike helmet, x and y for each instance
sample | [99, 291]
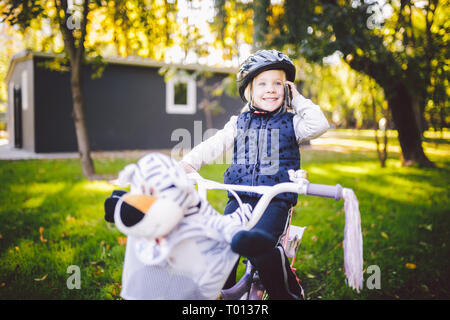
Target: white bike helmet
[260, 61]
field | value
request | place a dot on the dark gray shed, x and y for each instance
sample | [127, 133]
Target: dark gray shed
[129, 107]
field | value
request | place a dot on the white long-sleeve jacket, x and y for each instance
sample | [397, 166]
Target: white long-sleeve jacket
[309, 123]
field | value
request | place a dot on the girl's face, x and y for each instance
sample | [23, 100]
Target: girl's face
[268, 90]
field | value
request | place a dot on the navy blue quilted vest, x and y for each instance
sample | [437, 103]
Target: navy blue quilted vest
[265, 148]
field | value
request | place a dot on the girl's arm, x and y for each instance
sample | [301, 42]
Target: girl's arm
[309, 121]
[210, 149]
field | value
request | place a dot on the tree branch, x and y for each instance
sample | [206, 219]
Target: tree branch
[69, 40]
[83, 25]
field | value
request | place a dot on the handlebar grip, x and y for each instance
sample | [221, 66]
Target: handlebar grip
[323, 190]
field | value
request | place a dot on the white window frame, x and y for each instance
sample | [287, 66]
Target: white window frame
[24, 89]
[191, 106]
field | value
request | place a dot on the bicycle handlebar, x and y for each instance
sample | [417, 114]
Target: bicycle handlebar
[304, 187]
[299, 186]
[323, 190]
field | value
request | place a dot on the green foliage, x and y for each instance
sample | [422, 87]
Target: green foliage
[232, 27]
[402, 46]
[261, 25]
[21, 12]
[343, 93]
[409, 46]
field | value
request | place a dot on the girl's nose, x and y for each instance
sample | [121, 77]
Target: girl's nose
[271, 88]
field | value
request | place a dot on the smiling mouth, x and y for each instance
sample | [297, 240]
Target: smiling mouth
[270, 99]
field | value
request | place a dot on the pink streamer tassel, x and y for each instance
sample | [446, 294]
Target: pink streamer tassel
[353, 244]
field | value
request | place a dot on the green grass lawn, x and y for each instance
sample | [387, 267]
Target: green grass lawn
[51, 217]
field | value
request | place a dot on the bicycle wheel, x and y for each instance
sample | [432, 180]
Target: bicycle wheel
[257, 290]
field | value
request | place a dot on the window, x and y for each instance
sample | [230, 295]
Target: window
[181, 97]
[180, 93]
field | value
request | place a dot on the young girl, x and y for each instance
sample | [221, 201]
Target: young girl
[265, 138]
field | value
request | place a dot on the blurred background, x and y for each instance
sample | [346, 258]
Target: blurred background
[368, 64]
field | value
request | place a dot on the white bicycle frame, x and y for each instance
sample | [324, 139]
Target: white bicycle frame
[300, 185]
[352, 244]
[291, 239]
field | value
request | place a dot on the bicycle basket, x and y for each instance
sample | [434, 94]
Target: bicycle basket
[293, 240]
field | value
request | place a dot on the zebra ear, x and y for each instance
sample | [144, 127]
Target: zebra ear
[126, 175]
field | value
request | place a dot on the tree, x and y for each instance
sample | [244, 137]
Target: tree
[233, 27]
[137, 27]
[396, 51]
[402, 45]
[73, 30]
[382, 153]
[74, 34]
[261, 25]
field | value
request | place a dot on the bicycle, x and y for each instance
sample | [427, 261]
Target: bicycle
[249, 287]
[188, 255]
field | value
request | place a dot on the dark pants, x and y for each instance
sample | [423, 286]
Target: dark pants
[272, 265]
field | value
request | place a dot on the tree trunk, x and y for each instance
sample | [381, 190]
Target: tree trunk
[382, 154]
[75, 50]
[84, 147]
[400, 103]
[409, 136]
[419, 110]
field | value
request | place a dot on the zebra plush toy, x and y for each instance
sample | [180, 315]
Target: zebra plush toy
[178, 245]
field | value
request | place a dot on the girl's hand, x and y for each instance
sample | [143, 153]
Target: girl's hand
[293, 87]
[187, 167]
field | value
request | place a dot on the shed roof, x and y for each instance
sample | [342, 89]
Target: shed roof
[132, 61]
